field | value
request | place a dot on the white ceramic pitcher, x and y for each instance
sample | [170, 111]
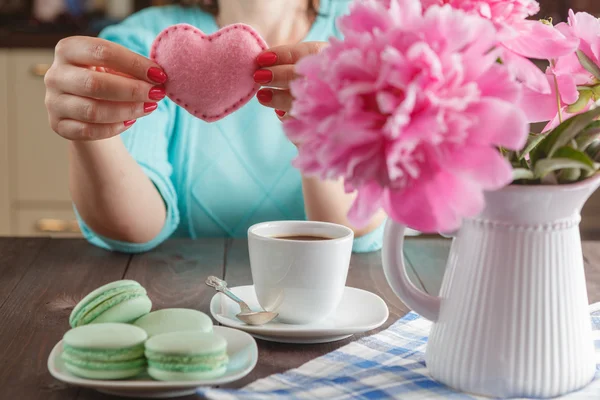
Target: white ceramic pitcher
[512, 317]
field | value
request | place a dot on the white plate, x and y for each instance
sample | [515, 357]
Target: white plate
[241, 349]
[359, 311]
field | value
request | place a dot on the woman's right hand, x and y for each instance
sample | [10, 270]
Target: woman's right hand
[96, 89]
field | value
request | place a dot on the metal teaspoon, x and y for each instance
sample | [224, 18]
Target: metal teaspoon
[246, 315]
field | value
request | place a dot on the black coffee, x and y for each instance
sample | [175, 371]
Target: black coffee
[303, 237]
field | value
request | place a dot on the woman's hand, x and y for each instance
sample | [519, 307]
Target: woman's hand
[278, 70]
[96, 89]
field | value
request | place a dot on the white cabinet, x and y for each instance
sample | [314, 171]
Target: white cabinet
[40, 155]
[34, 192]
[4, 149]
[45, 222]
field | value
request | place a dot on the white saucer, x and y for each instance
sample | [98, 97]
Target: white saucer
[359, 311]
[241, 348]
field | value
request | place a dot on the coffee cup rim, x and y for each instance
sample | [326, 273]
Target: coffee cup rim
[345, 232]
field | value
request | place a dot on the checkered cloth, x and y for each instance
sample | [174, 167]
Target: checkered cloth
[390, 364]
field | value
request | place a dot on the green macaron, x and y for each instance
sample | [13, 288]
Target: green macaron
[174, 320]
[185, 356]
[119, 301]
[105, 351]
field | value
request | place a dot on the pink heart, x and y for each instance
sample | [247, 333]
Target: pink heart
[210, 76]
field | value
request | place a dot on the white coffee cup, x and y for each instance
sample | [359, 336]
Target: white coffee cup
[302, 280]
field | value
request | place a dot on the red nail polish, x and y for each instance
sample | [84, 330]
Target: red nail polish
[149, 107]
[157, 93]
[281, 113]
[157, 75]
[266, 59]
[264, 95]
[129, 123]
[263, 76]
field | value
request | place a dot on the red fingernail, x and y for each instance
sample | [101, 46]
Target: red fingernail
[280, 113]
[263, 76]
[149, 107]
[266, 59]
[130, 122]
[157, 93]
[157, 75]
[264, 95]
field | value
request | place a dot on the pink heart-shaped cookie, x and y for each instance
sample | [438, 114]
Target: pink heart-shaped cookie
[210, 76]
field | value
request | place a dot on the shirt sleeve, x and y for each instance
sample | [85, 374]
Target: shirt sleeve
[147, 141]
[372, 241]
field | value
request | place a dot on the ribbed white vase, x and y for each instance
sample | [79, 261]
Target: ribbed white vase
[512, 316]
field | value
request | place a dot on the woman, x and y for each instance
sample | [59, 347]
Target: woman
[143, 170]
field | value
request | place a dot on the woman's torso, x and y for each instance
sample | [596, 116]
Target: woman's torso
[233, 173]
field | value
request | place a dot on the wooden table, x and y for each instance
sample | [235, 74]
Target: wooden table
[42, 279]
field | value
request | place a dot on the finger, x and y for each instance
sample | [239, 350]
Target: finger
[279, 76]
[115, 72]
[67, 106]
[277, 99]
[100, 85]
[281, 114]
[89, 51]
[78, 130]
[288, 54]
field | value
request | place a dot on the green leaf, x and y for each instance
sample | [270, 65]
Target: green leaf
[584, 98]
[522, 173]
[595, 92]
[537, 153]
[593, 150]
[587, 174]
[525, 164]
[549, 179]
[569, 129]
[575, 155]
[548, 165]
[565, 158]
[532, 141]
[588, 64]
[569, 175]
[587, 136]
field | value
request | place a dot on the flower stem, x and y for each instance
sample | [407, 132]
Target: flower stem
[560, 120]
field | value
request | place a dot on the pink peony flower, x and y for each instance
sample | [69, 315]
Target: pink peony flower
[499, 11]
[409, 109]
[543, 107]
[522, 39]
[566, 74]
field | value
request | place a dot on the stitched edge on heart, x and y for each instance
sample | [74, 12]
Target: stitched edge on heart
[186, 27]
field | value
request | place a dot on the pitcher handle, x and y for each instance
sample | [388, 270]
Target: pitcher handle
[394, 268]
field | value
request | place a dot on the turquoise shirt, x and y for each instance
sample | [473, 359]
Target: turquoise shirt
[217, 179]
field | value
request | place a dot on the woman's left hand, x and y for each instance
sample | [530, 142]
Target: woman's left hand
[277, 70]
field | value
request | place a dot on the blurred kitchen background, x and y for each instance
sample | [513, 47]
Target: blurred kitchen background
[34, 195]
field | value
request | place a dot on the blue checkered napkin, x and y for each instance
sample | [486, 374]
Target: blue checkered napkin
[387, 365]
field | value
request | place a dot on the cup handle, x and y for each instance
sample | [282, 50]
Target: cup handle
[394, 268]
